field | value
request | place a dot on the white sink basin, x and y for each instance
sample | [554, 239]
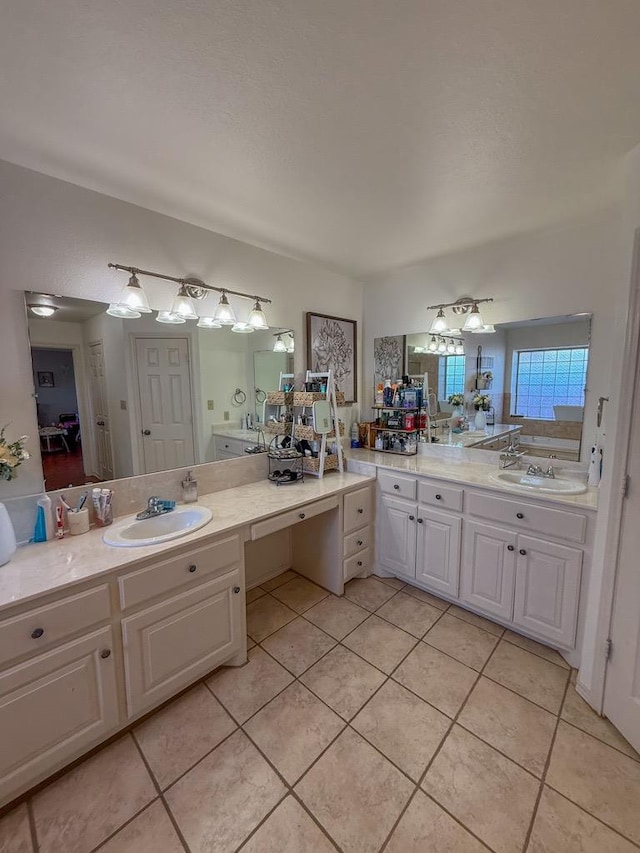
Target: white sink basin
[531, 483]
[132, 533]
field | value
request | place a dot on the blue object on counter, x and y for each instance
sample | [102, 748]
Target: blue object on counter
[40, 530]
[167, 506]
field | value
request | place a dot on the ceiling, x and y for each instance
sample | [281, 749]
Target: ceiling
[362, 134]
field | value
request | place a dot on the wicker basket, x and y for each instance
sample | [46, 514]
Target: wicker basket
[278, 428]
[279, 398]
[309, 433]
[308, 398]
[312, 463]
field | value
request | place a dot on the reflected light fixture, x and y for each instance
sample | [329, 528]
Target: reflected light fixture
[170, 318]
[291, 347]
[451, 347]
[418, 350]
[242, 328]
[134, 297]
[489, 329]
[225, 315]
[442, 346]
[279, 345]
[459, 348]
[433, 345]
[41, 310]
[208, 323]
[439, 325]
[474, 320]
[257, 319]
[183, 305]
[117, 310]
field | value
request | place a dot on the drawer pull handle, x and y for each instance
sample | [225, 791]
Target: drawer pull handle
[192, 568]
[519, 515]
[360, 510]
[510, 548]
[396, 487]
[420, 520]
[236, 589]
[302, 515]
[359, 562]
[360, 542]
[523, 552]
[37, 633]
[438, 497]
[105, 653]
[412, 518]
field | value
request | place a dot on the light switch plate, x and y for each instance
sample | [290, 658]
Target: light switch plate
[210, 405]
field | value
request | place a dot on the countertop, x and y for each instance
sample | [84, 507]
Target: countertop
[251, 435]
[52, 566]
[468, 473]
[475, 438]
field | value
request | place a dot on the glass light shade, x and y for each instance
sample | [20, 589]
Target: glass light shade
[459, 349]
[442, 346]
[225, 315]
[208, 323]
[43, 310]
[279, 345]
[257, 319]
[451, 347]
[118, 310]
[291, 347]
[169, 318]
[439, 325]
[134, 297]
[418, 350]
[489, 329]
[183, 305]
[242, 328]
[433, 345]
[474, 320]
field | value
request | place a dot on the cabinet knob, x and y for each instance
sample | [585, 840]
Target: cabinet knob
[359, 562]
[396, 487]
[420, 520]
[519, 515]
[302, 515]
[510, 548]
[145, 431]
[105, 653]
[236, 589]
[412, 518]
[192, 568]
[359, 542]
[360, 510]
[523, 552]
[438, 497]
[37, 633]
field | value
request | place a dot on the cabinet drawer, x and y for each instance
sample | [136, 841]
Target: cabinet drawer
[137, 587]
[40, 628]
[357, 509]
[294, 516]
[356, 541]
[357, 564]
[228, 447]
[556, 523]
[438, 495]
[398, 484]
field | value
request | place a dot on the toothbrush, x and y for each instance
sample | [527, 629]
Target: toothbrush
[65, 504]
[82, 501]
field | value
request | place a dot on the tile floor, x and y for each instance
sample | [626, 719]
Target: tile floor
[385, 720]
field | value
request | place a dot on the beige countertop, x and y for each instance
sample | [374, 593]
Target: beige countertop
[53, 566]
[468, 473]
[475, 438]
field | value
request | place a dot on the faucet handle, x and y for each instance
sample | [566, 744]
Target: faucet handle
[153, 502]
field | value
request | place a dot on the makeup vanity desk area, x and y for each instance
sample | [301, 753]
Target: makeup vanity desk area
[93, 637]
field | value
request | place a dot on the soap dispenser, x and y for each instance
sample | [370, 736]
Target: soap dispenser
[189, 489]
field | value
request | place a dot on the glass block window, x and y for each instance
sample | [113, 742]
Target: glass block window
[451, 370]
[546, 378]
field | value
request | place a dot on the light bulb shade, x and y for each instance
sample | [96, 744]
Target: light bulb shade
[442, 346]
[291, 347]
[279, 345]
[134, 297]
[489, 329]
[439, 325]
[433, 345]
[225, 315]
[183, 305]
[43, 310]
[257, 319]
[118, 310]
[169, 318]
[474, 320]
[459, 349]
[451, 347]
[208, 323]
[418, 350]
[242, 328]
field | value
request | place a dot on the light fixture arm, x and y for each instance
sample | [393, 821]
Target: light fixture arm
[460, 306]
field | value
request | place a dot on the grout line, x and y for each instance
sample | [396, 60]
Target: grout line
[566, 668]
[32, 825]
[595, 737]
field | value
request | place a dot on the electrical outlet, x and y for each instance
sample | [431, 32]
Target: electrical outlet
[210, 405]
[226, 416]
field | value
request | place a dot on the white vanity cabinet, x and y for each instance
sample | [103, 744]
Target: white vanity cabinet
[438, 550]
[488, 569]
[397, 536]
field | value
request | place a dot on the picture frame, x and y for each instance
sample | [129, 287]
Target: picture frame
[332, 344]
[389, 358]
[46, 379]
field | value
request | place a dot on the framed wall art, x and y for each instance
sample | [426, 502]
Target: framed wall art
[388, 358]
[45, 379]
[332, 345]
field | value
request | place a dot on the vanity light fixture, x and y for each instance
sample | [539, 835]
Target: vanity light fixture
[459, 348]
[433, 344]
[242, 328]
[133, 296]
[225, 315]
[488, 329]
[474, 320]
[183, 305]
[208, 323]
[257, 319]
[41, 310]
[439, 325]
[279, 345]
[170, 318]
[117, 310]
[418, 350]
[451, 347]
[465, 305]
[442, 346]
[291, 347]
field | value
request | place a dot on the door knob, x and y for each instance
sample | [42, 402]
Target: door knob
[146, 432]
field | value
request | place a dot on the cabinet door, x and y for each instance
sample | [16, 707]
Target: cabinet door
[547, 589]
[438, 550]
[397, 536]
[487, 576]
[169, 645]
[53, 707]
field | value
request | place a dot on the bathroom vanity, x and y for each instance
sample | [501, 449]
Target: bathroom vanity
[93, 637]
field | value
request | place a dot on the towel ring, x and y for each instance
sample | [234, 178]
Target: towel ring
[239, 397]
[261, 395]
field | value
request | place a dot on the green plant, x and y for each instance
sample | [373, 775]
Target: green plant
[12, 454]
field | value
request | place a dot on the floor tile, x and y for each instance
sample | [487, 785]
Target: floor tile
[243, 690]
[478, 621]
[15, 833]
[380, 643]
[518, 728]
[561, 826]
[150, 832]
[462, 641]
[298, 645]
[576, 711]
[536, 648]
[255, 593]
[596, 777]
[274, 583]
[289, 830]
[221, 801]
[343, 680]
[442, 681]
[368, 592]
[426, 828]
[265, 616]
[396, 583]
[336, 616]
[86, 805]
[293, 729]
[403, 727]
[408, 613]
[178, 735]
[426, 597]
[355, 794]
[487, 792]
[530, 676]
[300, 594]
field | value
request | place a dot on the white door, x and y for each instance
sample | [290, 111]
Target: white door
[487, 573]
[397, 536]
[438, 553]
[547, 589]
[100, 413]
[164, 380]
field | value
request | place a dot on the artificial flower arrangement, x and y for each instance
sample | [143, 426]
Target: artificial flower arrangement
[456, 399]
[482, 401]
[12, 454]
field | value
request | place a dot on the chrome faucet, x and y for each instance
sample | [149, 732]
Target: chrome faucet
[511, 456]
[536, 471]
[154, 507]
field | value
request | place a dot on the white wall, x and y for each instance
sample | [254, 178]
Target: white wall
[58, 238]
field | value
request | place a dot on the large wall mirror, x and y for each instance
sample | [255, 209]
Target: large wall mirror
[119, 397]
[533, 371]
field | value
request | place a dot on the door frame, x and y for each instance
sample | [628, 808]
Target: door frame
[136, 415]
